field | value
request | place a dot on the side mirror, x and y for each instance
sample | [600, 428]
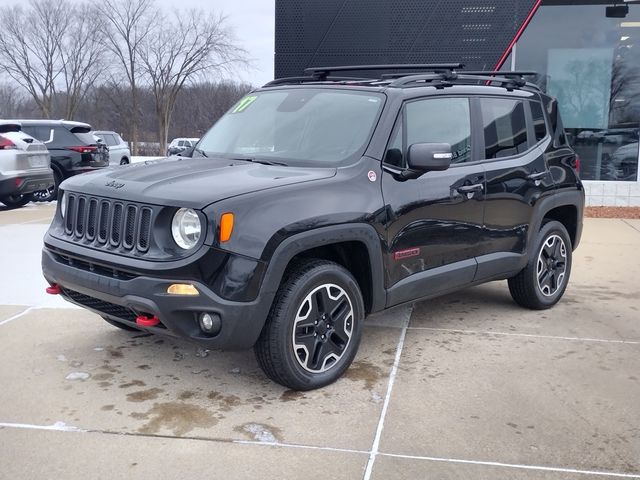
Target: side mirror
[427, 157]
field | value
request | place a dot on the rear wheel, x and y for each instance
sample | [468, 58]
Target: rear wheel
[314, 327]
[122, 326]
[543, 281]
[50, 193]
[15, 201]
[124, 161]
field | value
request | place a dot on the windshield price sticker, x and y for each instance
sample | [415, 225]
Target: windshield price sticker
[244, 104]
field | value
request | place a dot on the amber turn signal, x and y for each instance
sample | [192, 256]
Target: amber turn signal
[182, 289]
[226, 227]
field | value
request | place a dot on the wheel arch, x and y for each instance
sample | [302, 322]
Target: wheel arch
[356, 247]
[564, 207]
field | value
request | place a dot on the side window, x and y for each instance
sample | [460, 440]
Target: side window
[41, 133]
[505, 128]
[433, 120]
[539, 125]
[110, 139]
[181, 143]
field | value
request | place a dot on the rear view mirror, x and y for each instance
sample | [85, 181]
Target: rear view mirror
[427, 157]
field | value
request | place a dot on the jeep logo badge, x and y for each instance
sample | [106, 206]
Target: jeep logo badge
[114, 184]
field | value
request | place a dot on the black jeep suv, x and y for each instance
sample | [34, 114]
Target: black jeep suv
[318, 200]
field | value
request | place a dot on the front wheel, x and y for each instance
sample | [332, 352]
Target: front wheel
[543, 281]
[314, 327]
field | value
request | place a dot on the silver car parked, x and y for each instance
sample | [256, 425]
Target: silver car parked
[25, 165]
[118, 149]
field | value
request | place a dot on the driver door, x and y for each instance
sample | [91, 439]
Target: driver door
[435, 221]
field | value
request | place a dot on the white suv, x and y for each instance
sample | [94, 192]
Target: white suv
[118, 149]
[25, 165]
[178, 145]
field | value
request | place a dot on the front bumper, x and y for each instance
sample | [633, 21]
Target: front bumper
[122, 297]
[26, 183]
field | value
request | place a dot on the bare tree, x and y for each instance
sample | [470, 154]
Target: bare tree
[127, 24]
[193, 46]
[30, 47]
[81, 56]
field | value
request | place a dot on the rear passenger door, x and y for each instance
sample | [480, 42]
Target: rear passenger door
[434, 221]
[517, 177]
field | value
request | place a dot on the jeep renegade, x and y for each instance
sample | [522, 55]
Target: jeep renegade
[318, 200]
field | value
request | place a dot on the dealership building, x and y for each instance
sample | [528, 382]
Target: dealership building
[586, 54]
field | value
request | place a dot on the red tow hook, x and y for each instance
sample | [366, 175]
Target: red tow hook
[145, 321]
[53, 289]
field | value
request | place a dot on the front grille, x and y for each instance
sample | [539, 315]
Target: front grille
[102, 222]
[100, 305]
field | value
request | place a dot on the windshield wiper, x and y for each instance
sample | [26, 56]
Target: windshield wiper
[263, 162]
[201, 152]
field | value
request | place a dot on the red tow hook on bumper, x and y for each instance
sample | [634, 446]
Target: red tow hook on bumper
[53, 289]
[145, 321]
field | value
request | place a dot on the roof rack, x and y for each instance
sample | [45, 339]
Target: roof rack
[439, 75]
[324, 72]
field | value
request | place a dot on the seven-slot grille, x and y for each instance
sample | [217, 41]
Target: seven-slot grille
[105, 222]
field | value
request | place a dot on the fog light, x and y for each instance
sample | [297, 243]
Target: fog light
[210, 323]
[182, 289]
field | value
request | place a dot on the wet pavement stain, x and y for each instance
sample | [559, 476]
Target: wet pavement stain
[114, 352]
[291, 396]
[365, 372]
[144, 395]
[186, 395]
[107, 408]
[99, 377]
[179, 417]
[225, 402]
[133, 383]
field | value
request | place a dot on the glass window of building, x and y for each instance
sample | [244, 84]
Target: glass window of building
[591, 63]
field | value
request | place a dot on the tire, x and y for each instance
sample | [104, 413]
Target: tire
[51, 193]
[16, 201]
[121, 326]
[541, 284]
[312, 355]
[124, 161]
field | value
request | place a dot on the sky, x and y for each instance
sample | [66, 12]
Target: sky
[254, 25]
[253, 22]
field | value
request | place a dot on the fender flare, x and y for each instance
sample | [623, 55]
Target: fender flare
[574, 198]
[319, 237]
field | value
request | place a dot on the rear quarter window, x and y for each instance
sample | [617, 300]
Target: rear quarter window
[539, 124]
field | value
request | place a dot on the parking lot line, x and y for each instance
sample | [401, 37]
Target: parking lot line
[62, 427]
[387, 398]
[528, 335]
[513, 465]
[10, 319]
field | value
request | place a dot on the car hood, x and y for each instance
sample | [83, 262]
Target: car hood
[188, 182]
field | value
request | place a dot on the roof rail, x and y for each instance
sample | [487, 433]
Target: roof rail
[324, 72]
[309, 79]
[509, 82]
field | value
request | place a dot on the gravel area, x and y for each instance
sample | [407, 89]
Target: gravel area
[613, 212]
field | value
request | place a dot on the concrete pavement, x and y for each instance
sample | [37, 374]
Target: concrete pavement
[465, 386]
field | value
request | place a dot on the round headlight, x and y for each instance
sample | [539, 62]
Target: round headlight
[63, 203]
[186, 228]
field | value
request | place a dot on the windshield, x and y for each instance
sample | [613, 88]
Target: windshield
[303, 126]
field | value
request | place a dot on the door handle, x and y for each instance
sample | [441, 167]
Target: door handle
[478, 187]
[537, 176]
